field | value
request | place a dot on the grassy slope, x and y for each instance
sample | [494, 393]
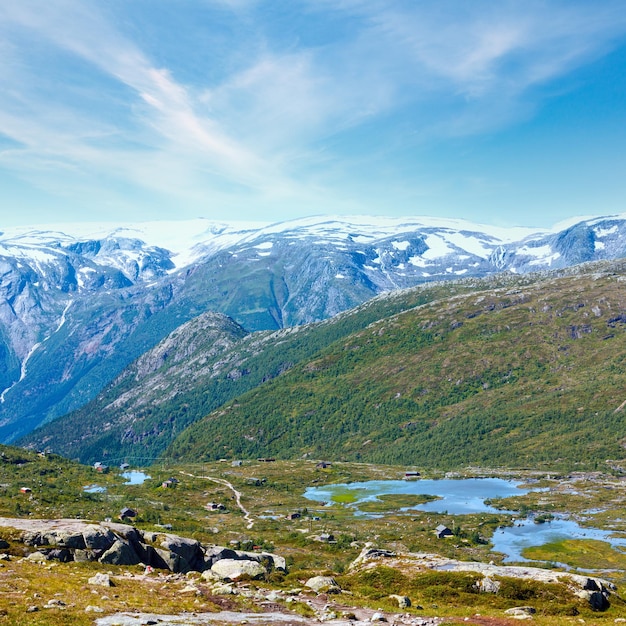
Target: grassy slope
[514, 376]
[174, 401]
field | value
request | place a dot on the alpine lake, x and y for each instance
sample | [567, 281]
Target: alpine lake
[574, 521]
[460, 497]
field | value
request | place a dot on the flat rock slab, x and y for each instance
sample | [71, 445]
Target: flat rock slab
[421, 561]
[232, 617]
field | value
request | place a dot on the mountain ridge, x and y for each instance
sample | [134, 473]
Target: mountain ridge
[75, 311]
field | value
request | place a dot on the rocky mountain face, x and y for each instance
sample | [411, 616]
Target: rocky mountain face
[79, 304]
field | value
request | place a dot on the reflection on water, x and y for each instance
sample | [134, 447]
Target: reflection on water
[461, 497]
[525, 534]
[457, 496]
[94, 489]
[135, 477]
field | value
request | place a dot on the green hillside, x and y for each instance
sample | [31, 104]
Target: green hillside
[204, 364]
[520, 375]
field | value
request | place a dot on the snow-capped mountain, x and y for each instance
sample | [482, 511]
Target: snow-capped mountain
[79, 302]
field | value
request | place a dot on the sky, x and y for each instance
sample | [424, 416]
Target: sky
[502, 112]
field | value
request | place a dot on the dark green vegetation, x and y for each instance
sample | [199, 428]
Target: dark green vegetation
[523, 375]
[513, 371]
[199, 367]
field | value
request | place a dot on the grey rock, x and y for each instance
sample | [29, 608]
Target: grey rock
[72, 540]
[278, 562]
[321, 584]
[488, 585]
[598, 600]
[404, 602]
[217, 553]
[98, 538]
[234, 569]
[120, 553]
[164, 559]
[82, 556]
[187, 549]
[223, 590]
[210, 576]
[102, 580]
[60, 554]
[521, 610]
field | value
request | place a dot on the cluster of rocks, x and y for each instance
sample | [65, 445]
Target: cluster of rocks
[309, 605]
[120, 544]
[596, 591]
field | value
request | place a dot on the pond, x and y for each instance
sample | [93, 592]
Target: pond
[461, 497]
[512, 540]
[135, 477]
[455, 496]
[94, 489]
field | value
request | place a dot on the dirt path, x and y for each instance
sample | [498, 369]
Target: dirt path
[222, 481]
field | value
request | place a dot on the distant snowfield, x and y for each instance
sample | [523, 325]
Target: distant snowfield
[188, 240]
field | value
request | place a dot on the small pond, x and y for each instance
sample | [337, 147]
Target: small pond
[461, 497]
[512, 540]
[135, 477]
[456, 496]
[94, 489]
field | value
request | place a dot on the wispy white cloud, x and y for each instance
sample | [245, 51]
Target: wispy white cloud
[449, 68]
[491, 54]
[168, 107]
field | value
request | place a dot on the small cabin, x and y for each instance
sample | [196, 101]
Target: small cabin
[443, 531]
[101, 468]
[295, 515]
[127, 513]
[410, 475]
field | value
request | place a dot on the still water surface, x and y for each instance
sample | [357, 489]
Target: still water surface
[135, 477]
[464, 496]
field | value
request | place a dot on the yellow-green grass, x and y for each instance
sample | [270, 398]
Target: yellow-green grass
[394, 501]
[587, 554]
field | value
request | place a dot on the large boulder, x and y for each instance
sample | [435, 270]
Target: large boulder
[164, 559]
[120, 553]
[189, 551]
[213, 554]
[121, 544]
[323, 584]
[234, 569]
[98, 538]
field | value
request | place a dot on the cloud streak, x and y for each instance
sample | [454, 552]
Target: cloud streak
[280, 127]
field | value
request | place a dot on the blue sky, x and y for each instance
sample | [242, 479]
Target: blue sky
[503, 112]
